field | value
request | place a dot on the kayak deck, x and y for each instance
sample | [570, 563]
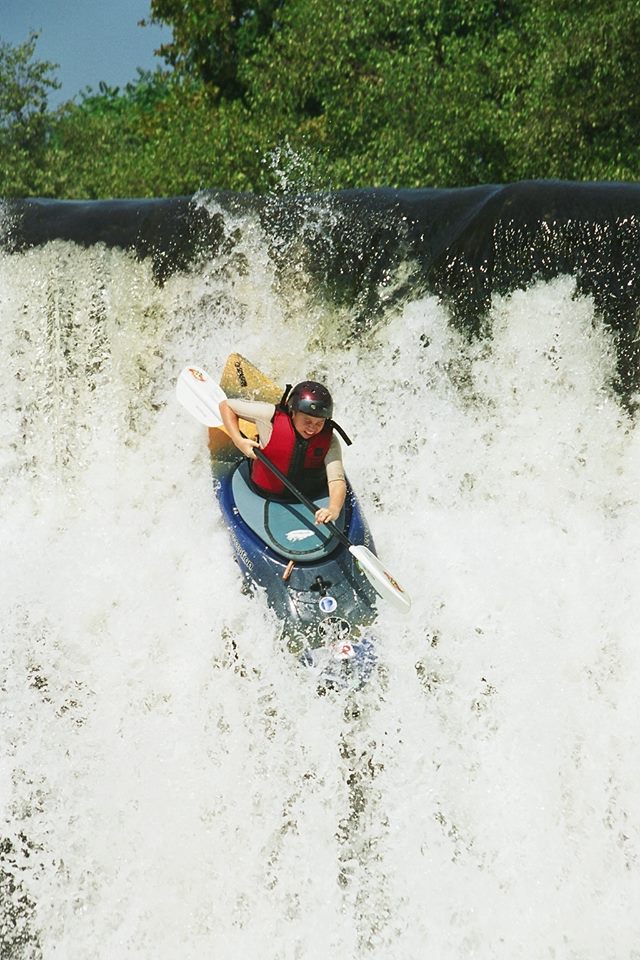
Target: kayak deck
[288, 528]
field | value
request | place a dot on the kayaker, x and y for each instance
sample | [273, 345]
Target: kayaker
[299, 436]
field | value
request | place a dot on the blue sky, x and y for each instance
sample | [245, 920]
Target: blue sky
[91, 40]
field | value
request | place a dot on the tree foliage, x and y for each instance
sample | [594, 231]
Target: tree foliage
[212, 38]
[24, 88]
[400, 93]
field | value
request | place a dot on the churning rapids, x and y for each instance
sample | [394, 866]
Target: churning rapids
[171, 786]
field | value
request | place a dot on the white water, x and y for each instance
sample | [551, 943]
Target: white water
[479, 799]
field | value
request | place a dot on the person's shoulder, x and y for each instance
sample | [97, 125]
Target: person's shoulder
[254, 409]
[335, 447]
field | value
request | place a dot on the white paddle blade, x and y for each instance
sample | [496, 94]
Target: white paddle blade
[386, 585]
[200, 395]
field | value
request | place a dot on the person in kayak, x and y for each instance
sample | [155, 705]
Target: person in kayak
[299, 436]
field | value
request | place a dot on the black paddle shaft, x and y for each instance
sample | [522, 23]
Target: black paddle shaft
[309, 504]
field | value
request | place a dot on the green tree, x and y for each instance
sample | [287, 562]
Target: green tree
[400, 93]
[159, 136]
[211, 38]
[571, 107]
[25, 85]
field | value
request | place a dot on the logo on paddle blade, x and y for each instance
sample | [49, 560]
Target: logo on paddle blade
[197, 374]
[394, 583]
[241, 377]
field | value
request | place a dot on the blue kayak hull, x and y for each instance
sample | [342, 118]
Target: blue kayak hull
[310, 579]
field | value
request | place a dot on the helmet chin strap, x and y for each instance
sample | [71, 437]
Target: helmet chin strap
[338, 428]
[285, 396]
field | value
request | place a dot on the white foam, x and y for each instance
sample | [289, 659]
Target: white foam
[183, 790]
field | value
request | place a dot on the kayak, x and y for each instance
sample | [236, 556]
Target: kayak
[323, 599]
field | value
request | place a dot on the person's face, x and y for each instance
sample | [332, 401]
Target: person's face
[307, 426]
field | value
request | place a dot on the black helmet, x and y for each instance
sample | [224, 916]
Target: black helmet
[311, 398]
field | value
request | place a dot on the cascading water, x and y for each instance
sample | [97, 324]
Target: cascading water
[171, 784]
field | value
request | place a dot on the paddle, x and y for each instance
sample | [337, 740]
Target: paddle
[201, 396]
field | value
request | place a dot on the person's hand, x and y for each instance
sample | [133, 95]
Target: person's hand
[247, 447]
[325, 514]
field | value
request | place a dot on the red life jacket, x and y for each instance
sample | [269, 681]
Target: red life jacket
[301, 460]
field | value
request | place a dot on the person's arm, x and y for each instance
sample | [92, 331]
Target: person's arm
[337, 496]
[231, 421]
[336, 482]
